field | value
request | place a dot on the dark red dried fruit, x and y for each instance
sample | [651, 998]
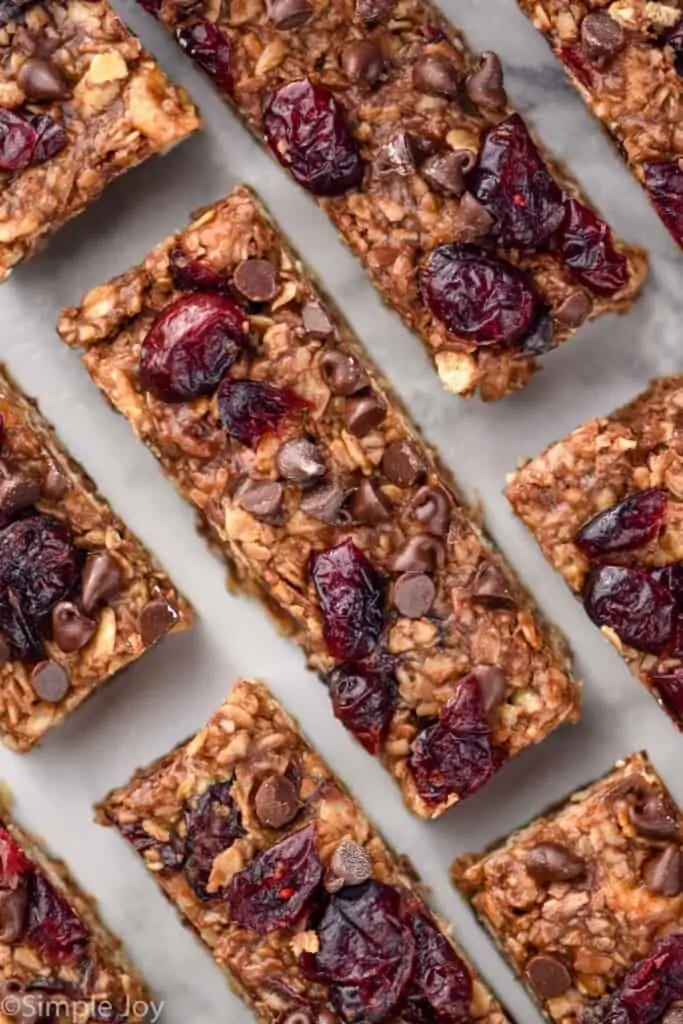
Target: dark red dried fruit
[671, 577]
[306, 129]
[351, 594]
[28, 139]
[190, 346]
[276, 886]
[668, 687]
[664, 182]
[191, 275]
[650, 987]
[213, 824]
[638, 608]
[441, 984]
[249, 408]
[575, 59]
[512, 182]
[363, 698]
[209, 47]
[626, 526]
[587, 247]
[39, 566]
[53, 929]
[456, 755]
[14, 863]
[137, 836]
[477, 295]
[674, 39]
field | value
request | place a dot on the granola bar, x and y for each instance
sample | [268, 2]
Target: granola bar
[81, 101]
[586, 902]
[605, 506]
[476, 237]
[625, 57]
[57, 960]
[313, 484]
[80, 597]
[301, 902]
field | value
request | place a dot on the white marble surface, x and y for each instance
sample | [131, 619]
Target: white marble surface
[170, 693]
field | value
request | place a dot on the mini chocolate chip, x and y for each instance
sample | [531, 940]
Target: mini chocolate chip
[602, 36]
[350, 865]
[363, 414]
[663, 874]
[17, 493]
[402, 463]
[436, 74]
[493, 685]
[261, 498]
[5, 652]
[341, 373]
[372, 11]
[397, 156]
[276, 802]
[71, 629]
[286, 14]
[368, 504]
[574, 309]
[50, 682]
[656, 817]
[445, 172]
[324, 502]
[548, 976]
[485, 85]
[156, 618]
[362, 61]
[42, 81]
[101, 580]
[414, 594]
[55, 485]
[254, 278]
[316, 321]
[472, 221]
[431, 506]
[420, 553]
[13, 905]
[553, 862]
[490, 588]
[300, 461]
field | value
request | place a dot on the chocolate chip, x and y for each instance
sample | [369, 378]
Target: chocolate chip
[257, 279]
[493, 685]
[490, 588]
[50, 682]
[156, 618]
[55, 485]
[372, 11]
[602, 37]
[419, 554]
[71, 629]
[553, 862]
[316, 321]
[431, 506]
[261, 498]
[437, 74]
[363, 414]
[472, 222]
[663, 874]
[13, 905]
[368, 504]
[485, 85]
[324, 502]
[350, 865]
[655, 817]
[101, 580]
[5, 651]
[42, 81]
[289, 13]
[300, 461]
[17, 493]
[402, 464]
[548, 976]
[362, 61]
[341, 373]
[445, 172]
[414, 594]
[276, 802]
[397, 156]
[574, 309]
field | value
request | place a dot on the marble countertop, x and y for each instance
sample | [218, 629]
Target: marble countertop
[170, 693]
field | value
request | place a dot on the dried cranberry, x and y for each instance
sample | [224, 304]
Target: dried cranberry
[306, 129]
[137, 836]
[14, 863]
[650, 987]
[664, 182]
[456, 755]
[191, 275]
[671, 577]
[630, 524]
[39, 566]
[209, 47]
[366, 952]
[440, 979]
[277, 885]
[668, 687]
[674, 39]
[587, 247]
[249, 408]
[213, 824]
[512, 182]
[53, 929]
[575, 59]
[351, 595]
[190, 346]
[363, 698]
[626, 599]
[477, 295]
[28, 139]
